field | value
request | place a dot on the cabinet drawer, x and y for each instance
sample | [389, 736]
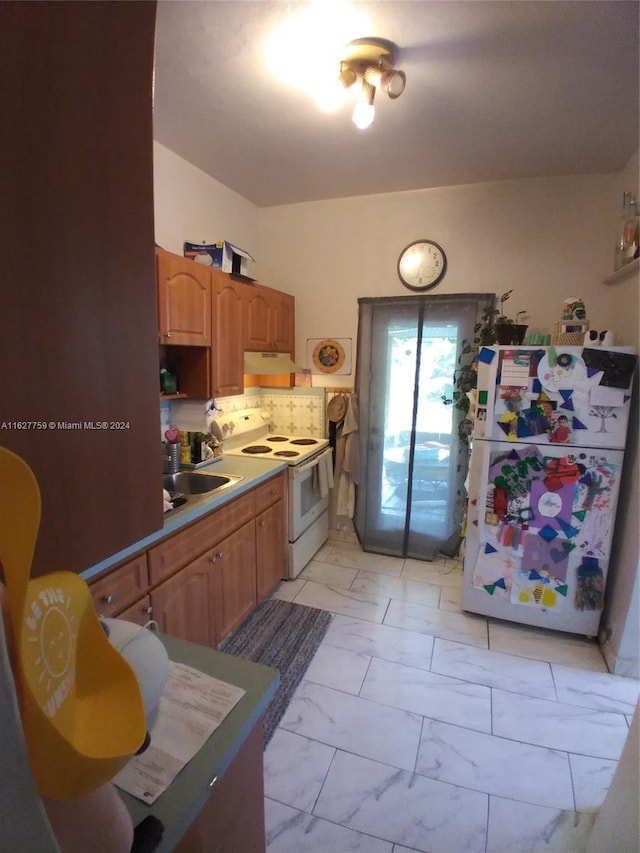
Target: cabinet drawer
[270, 492]
[141, 612]
[183, 547]
[120, 588]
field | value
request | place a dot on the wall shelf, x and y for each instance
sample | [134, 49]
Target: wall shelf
[624, 272]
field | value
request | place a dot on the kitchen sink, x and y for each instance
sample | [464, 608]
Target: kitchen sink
[197, 483]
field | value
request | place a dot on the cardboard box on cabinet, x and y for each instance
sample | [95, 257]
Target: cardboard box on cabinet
[222, 255]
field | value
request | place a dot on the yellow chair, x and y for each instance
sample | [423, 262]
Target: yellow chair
[80, 702]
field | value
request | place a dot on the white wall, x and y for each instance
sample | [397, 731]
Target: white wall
[621, 621]
[546, 238]
[189, 205]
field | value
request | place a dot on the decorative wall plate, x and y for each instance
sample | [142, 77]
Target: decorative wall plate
[329, 355]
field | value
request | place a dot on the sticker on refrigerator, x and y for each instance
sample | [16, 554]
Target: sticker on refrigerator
[551, 508]
[617, 367]
[561, 369]
[589, 585]
[538, 589]
[515, 367]
[515, 470]
[546, 558]
[494, 570]
[561, 431]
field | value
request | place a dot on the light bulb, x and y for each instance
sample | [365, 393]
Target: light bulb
[364, 111]
[392, 82]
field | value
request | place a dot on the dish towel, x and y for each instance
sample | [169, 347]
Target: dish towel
[325, 472]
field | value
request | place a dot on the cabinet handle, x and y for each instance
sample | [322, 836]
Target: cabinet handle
[108, 599]
[148, 610]
[213, 782]
[215, 557]
[167, 334]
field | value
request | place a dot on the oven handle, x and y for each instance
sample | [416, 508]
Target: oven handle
[298, 470]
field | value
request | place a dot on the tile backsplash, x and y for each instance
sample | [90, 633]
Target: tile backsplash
[299, 411]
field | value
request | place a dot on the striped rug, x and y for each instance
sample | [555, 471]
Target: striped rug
[285, 636]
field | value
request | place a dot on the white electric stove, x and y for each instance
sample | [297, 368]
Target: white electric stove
[247, 433]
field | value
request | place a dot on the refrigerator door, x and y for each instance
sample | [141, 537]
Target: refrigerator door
[539, 528]
[555, 395]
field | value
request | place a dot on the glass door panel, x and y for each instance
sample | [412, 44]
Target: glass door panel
[410, 497]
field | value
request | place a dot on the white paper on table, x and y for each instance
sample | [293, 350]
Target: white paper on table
[191, 708]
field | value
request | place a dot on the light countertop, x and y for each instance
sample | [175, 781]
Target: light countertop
[253, 472]
[180, 804]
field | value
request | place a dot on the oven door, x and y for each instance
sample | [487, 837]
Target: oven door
[308, 492]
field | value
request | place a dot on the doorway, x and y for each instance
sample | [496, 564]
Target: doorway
[410, 498]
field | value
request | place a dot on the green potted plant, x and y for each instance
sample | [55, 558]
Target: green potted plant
[505, 326]
[465, 379]
[509, 331]
[493, 327]
[520, 327]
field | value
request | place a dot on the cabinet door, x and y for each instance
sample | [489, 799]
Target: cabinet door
[227, 352]
[270, 320]
[184, 300]
[232, 818]
[257, 324]
[270, 556]
[141, 612]
[235, 573]
[282, 322]
[183, 606]
[112, 593]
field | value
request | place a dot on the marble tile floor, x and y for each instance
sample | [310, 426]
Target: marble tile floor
[418, 727]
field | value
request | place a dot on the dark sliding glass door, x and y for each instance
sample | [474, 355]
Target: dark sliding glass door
[410, 495]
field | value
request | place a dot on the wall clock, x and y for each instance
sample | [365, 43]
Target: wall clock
[421, 265]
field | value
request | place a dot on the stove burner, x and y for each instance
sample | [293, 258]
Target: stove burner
[277, 438]
[304, 441]
[256, 448]
[286, 453]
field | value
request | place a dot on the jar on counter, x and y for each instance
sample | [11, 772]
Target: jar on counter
[185, 448]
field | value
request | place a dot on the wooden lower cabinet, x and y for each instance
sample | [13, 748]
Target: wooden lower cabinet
[232, 819]
[270, 556]
[141, 612]
[184, 605]
[202, 582]
[235, 579]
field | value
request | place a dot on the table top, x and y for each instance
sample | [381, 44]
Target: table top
[180, 804]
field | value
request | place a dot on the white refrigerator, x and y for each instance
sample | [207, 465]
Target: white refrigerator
[546, 459]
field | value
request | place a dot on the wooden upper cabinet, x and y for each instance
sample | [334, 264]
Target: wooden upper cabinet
[227, 350]
[184, 300]
[269, 320]
[283, 322]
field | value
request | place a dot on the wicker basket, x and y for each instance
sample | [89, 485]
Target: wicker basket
[568, 339]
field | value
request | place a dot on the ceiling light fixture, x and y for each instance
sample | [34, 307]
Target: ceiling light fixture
[372, 62]
[364, 111]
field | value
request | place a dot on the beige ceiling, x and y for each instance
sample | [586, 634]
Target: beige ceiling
[495, 91]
